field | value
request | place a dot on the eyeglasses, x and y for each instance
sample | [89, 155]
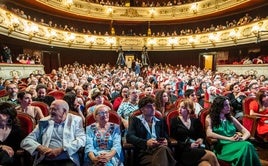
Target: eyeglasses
[103, 113]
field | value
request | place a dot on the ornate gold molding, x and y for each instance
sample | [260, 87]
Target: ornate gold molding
[186, 11]
[20, 28]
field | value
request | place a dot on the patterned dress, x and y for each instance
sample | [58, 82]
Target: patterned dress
[98, 143]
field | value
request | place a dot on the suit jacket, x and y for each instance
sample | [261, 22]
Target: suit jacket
[137, 133]
[73, 137]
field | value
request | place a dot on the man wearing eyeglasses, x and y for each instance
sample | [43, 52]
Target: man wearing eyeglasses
[57, 138]
[147, 133]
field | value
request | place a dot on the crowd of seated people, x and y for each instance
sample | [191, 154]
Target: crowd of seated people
[175, 32]
[141, 3]
[82, 84]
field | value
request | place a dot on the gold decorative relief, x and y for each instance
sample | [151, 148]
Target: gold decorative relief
[247, 31]
[130, 12]
[162, 42]
[224, 36]
[203, 39]
[183, 41]
[100, 41]
[80, 39]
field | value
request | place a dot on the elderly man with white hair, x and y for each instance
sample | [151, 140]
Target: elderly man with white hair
[57, 138]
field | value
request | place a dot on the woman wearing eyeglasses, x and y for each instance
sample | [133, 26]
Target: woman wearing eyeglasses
[103, 140]
[10, 134]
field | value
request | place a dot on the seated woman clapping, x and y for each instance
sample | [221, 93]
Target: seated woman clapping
[231, 146]
[103, 140]
[190, 136]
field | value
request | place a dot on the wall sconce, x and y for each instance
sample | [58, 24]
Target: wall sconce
[110, 11]
[256, 28]
[194, 8]
[212, 38]
[233, 35]
[110, 41]
[91, 40]
[151, 42]
[192, 41]
[172, 41]
[31, 29]
[68, 3]
[152, 12]
[70, 38]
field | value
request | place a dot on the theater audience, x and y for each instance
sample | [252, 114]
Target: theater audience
[103, 140]
[221, 125]
[147, 133]
[10, 134]
[57, 138]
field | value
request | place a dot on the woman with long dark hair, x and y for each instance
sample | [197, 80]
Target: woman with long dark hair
[231, 145]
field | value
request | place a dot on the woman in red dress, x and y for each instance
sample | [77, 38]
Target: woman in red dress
[259, 108]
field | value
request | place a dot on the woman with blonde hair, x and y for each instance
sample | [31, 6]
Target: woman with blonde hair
[189, 133]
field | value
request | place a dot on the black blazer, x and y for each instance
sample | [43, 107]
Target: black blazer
[137, 133]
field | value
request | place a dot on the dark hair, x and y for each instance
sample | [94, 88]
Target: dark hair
[188, 92]
[41, 86]
[259, 96]
[70, 97]
[159, 99]
[20, 95]
[95, 95]
[9, 109]
[123, 87]
[215, 110]
[190, 82]
[144, 101]
[232, 86]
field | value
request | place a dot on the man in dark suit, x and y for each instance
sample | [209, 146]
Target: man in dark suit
[148, 135]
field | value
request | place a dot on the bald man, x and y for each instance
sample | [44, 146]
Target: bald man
[57, 138]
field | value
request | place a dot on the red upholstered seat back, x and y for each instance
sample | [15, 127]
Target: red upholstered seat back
[247, 121]
[169, 116]
[26, 122]
[57, 94]
[43, 106]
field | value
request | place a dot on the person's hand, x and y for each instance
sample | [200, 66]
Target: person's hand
[43, 149]
[199, 141]
[152, 143]
[54, 152]
[236, 137]
[8, 149]
[105, 157]
[194, 145]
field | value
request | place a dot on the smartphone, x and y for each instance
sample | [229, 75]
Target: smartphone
[160, 139]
